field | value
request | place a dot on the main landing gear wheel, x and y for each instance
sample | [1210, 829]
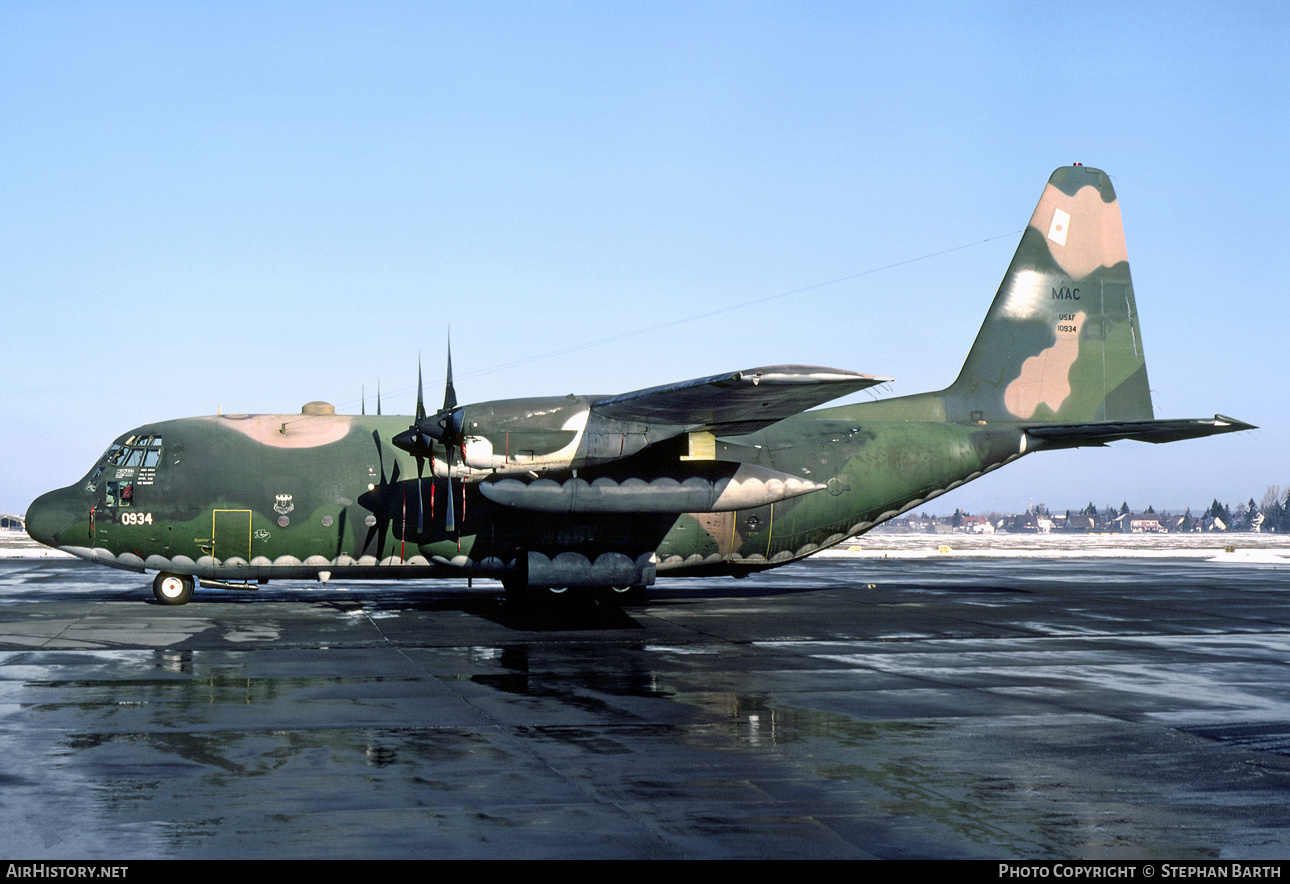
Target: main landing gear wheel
[573, 596]
[172, 589]
[627, 595]
[539, 596]
[552, 595]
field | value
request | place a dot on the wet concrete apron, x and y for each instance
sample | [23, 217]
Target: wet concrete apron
[833, 709]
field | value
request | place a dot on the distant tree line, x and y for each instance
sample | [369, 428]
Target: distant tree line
[1271, 514]
[1274, 508]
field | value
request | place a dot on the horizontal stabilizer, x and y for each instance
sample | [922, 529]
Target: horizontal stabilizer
[736, 403]
[1079, 435]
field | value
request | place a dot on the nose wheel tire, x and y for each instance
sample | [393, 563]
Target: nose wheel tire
[172, 589]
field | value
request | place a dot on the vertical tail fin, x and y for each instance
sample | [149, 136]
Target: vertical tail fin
[1061, 342]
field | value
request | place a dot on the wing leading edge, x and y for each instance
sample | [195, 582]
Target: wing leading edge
[736, 403]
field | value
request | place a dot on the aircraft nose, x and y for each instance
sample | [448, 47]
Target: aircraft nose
[51, 517]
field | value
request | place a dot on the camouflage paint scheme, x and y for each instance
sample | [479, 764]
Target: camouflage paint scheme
[721, 475]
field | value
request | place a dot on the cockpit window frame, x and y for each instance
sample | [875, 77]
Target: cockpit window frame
[128, 462]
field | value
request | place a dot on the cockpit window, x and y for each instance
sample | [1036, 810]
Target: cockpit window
[128, 463]
[109, 458]
[119, 494]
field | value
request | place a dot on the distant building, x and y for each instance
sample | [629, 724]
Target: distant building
[975, 525]
[1080, 523]
[1139, 523]
[1026, 523]
[12, 523]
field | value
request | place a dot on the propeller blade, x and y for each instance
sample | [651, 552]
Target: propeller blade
[449, 394]
[421, 400]
[450, 520]
[421, 496]
[380, 456]
[379, 501]
[445, 426]
[340, 533]
[372, 500]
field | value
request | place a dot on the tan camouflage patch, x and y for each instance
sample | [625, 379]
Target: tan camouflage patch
[1083, 232]
[288, 430]
[1045, 377]
[721, 528]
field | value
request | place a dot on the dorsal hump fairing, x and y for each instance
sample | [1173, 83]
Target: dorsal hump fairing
[1061, 342]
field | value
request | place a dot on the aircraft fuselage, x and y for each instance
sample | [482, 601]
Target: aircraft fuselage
[724, 474]
[235, 497]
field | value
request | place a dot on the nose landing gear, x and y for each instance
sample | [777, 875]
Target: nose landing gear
[172, 589]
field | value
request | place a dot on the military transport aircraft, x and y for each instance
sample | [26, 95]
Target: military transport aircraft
[718, 475]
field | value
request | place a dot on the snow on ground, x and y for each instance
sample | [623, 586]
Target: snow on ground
[17, 545]
[1235, 548]
[1242, 548]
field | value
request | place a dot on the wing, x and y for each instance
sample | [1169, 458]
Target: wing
[736, 403]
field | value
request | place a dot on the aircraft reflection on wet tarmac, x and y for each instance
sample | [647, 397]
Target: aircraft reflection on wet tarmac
[967, 708]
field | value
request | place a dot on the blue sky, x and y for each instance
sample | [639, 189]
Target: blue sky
[252, 205]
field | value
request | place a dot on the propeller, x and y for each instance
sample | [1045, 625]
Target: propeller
[445, 426]
[381, 500]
